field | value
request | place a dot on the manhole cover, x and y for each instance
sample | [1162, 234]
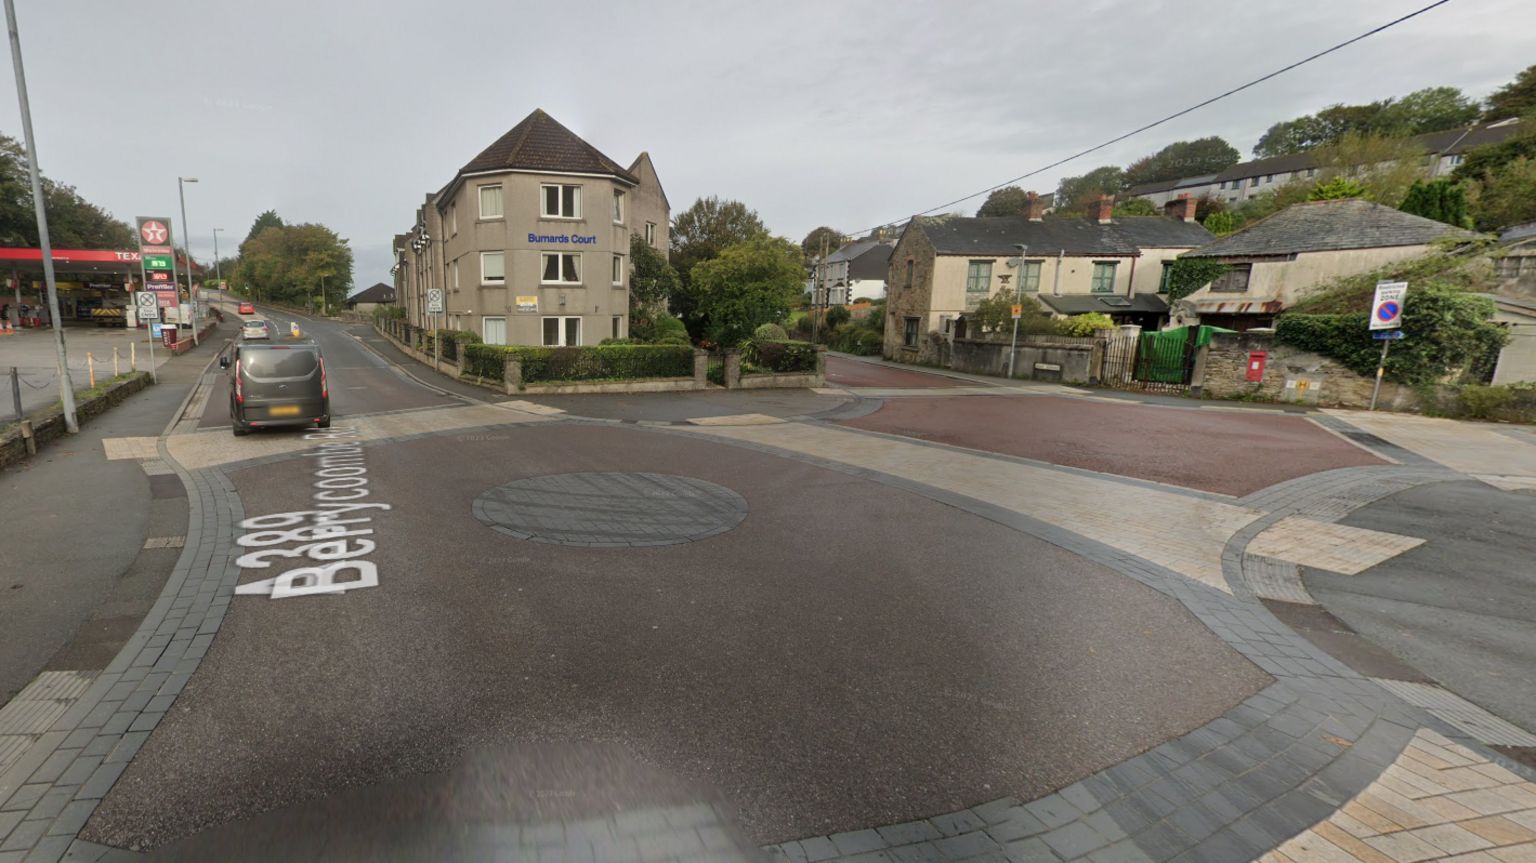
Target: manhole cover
[611, 509]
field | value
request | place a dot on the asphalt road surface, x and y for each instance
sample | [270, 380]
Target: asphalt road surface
[361, 382]
[1461, 607]
[1228, 452]
[843, 372]
[825, 665]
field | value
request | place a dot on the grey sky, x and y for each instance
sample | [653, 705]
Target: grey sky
[842, 113]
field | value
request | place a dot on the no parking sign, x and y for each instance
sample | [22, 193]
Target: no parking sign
[1387, 306]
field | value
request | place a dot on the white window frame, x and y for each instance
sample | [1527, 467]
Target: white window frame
[575, 201]
[650, 233]
[500, 200]
[618, 326]
[453, 220]
[618, 206]
[456, 271]
[485, 319]
[1093, 279]
[495, 282]
[1025, 269]
[560, 330]
[574, 256]
[618, 271]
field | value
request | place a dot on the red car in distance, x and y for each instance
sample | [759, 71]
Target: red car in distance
[247, 309]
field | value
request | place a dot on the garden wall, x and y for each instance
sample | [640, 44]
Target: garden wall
[1049, 358]
[1290, 375]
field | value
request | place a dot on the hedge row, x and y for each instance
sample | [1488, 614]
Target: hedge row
[781, 356]
[593, 362]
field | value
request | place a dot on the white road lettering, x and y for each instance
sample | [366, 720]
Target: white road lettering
[321, 534]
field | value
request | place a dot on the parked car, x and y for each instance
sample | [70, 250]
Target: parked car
[255, 329]
[247, 308]
[277, 385]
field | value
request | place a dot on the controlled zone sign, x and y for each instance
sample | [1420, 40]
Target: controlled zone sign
[1387, 305]
[434, 301]
[148, 305]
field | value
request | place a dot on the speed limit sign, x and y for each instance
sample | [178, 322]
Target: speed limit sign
[148, 305]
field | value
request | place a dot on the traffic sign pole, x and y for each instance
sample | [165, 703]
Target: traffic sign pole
[1381, 369]
[148, 312]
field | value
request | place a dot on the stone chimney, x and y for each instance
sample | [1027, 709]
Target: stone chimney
[1100, 210]
[1034, 208]
[1183, 207]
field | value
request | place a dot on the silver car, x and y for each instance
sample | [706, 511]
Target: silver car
[255, 330]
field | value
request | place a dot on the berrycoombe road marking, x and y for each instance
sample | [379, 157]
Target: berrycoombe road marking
[332, 537]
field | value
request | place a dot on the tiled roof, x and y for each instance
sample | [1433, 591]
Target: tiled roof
[1273, 165]
[1170, 185]
[540, 143]
[379, 293]
[1323, 226]
[998, 235]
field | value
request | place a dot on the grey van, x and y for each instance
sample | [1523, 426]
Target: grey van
[277, 385]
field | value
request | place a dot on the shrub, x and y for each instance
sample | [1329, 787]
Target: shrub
[1447, 332]
[602, 362]
[781, 356]
[770, 332]
[1499, 403]
[837, 316]
[1085, 324]
[654, 327]
[1481, 401]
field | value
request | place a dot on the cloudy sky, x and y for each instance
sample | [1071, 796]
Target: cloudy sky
[843, 113]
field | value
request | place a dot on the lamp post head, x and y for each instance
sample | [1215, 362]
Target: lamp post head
[186, 179]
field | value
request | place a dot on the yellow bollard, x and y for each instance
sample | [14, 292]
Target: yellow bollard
[90, 365]
[133, 356]
[115, 371]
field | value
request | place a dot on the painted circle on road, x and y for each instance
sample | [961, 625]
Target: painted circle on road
[611, 509]
[1389, 310]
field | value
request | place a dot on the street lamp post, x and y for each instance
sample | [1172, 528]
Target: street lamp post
[186, 249]
[218, 271]
[1018, 295]
[66, 388]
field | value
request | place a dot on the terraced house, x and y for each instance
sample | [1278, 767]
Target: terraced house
[529, 241]
[942, 267]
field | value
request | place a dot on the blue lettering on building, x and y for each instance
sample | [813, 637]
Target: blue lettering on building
[576, 239]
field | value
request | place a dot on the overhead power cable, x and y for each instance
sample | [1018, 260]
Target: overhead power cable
[1174, 116]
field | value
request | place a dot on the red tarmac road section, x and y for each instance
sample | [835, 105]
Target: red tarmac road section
[853, 373]
[1219, 451]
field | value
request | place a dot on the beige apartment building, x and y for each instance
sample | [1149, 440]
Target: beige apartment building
[529, 241]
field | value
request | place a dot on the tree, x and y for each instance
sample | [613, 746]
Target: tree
[1007, 201]
[1315, 130]
[1336, 189]
[1441, 200]
[295, 263]
[746, 285]
[268, 219]
[1183, 159]
[1384, 167]
[1505, 195]
[821, 238]
[1075, 193]
[1135, 207]
[1428, 110]
[652, 280]
[1479, 161]
[73, 222]
[705, 229]
[1513, 99]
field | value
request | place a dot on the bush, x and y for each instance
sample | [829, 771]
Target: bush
[1500, 403]
[1481, 401]
[837, 316]
[602, 362]
[653, 327]
[1447, 333]
[1085, 324]
[780, 356]
[770, 332]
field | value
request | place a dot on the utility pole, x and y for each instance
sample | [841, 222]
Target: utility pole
[66, 388]
[186, 248]
[816, 292]
[218, 271]
[1018, 295]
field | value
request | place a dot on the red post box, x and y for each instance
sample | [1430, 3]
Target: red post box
[1256, 362]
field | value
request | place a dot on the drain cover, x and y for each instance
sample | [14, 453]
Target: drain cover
[611, 509]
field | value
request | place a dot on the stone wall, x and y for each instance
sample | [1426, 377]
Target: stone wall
[1290, 375]
[1050, 358]
[903, 302]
